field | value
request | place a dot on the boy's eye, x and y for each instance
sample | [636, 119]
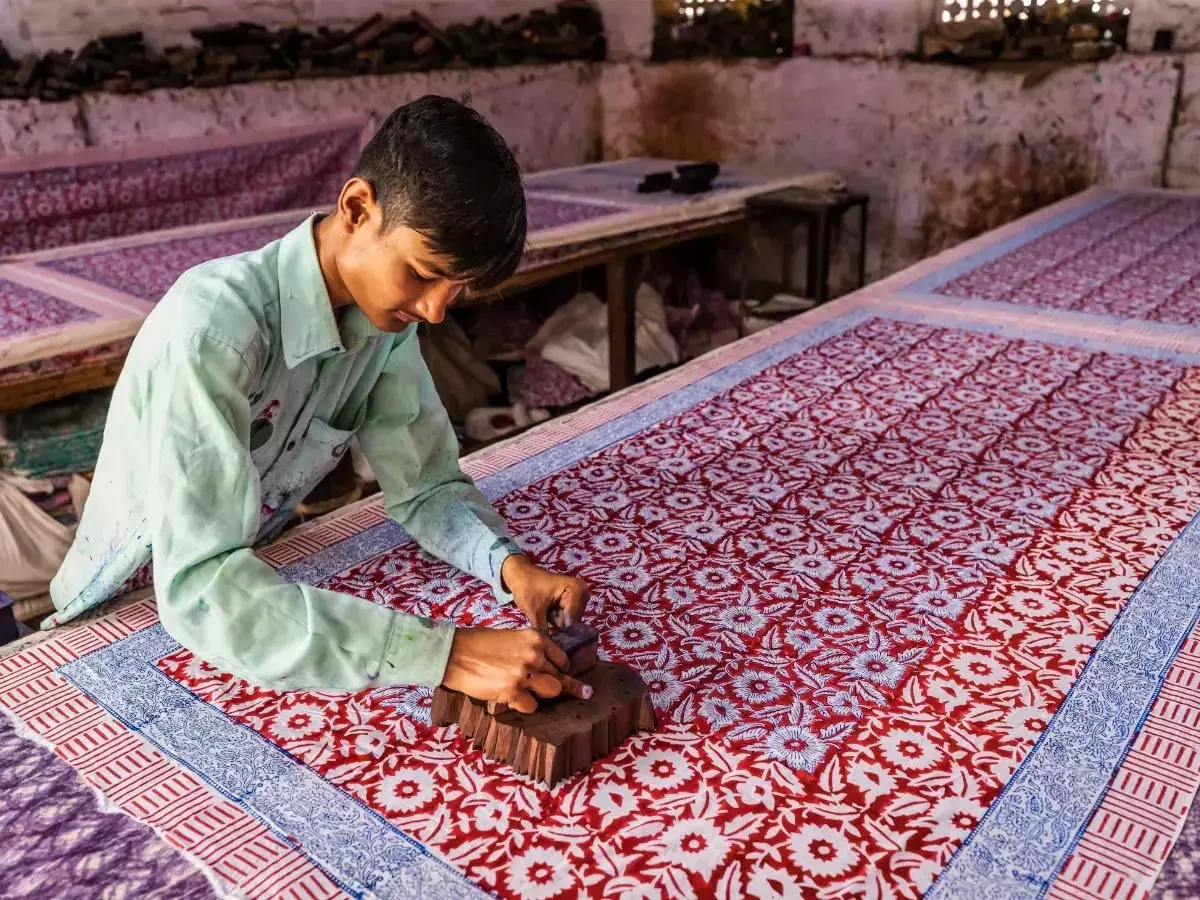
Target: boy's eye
[417, 276]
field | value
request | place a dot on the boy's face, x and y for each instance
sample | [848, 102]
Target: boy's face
[392, 275]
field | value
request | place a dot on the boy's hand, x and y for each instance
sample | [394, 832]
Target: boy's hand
[546, 598]
[514, 667]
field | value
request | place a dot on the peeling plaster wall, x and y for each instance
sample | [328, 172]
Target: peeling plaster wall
[879, 28]
[944, 153]
[548, 114]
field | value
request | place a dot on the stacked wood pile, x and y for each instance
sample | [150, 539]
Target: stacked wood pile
[241, 53]
[695, 30]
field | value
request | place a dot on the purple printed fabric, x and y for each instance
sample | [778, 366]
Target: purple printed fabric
[1134, 258]
[43, 208]
[1180, 877]
[24, 310]
[545, 384]
[56, 842]
[544, 213]
[148, 270]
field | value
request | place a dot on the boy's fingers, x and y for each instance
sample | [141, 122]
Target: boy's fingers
[575, 687]
[523, 702]
[573, 603]
[545, 685]
[555, 655]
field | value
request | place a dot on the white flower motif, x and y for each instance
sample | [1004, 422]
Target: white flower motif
[758, 687]
[614, 799]
[371, 743]
[718, 712]
[835, 620]
[872, 520]
[705, 650]
[631, 636]
[954, 818]
[752, 546]
[949, 520]
[822, 851]
[611, 542]
[695, 844]
[1027, 722]
[713, 578]
[796, 746]
[803, 640]
[876, 666]
[909, 750]
[491, 815]
[782, 532]
[813, 565]
[680, 595]
[940, 603]
[895, 565]
[405, 790]
[611, 499]
[872, 779]
[1034, 605]
[539, 874]
[976, 668]
[705, 531]
[743, 619]
[299, 721]
[662, 770]
[665, 687]
[756, 792]
[991, 551]
[629, 577]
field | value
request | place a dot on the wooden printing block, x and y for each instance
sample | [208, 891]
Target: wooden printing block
[566, 735]
[580, 643]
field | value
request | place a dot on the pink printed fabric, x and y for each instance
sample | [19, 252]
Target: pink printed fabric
[148, 270]
[42, 208]
[1133, 258]
[25, 310]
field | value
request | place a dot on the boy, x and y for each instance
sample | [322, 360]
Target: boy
[243, 390]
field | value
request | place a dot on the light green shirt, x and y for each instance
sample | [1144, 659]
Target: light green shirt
[240, 393]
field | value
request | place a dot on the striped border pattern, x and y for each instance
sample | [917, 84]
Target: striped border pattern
[138, 779]
[1129, 837]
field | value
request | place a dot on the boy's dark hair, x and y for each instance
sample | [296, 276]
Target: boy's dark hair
[438, 167]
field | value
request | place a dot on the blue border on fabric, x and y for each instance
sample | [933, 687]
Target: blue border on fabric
[926, 286]
[387, 536]
[345, 838]
[1020, 845]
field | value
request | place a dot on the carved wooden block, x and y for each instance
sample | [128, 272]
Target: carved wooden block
[566, 735]
[580, 643]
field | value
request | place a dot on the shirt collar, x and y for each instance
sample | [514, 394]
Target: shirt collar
[308, 327]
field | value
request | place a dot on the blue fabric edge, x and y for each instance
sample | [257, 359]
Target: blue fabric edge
[1181, 558]
[984, 255]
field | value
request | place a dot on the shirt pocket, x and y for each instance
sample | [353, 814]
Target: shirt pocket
[301, 467]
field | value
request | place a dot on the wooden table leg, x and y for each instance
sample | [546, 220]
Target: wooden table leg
[818, 258]
[621, 325]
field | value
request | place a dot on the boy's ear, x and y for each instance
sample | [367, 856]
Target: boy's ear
[356, 204]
